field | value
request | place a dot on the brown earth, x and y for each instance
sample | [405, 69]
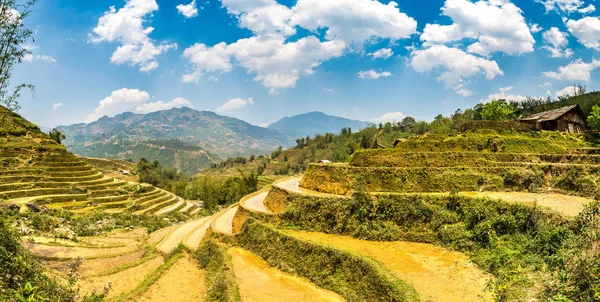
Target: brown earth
[184, 281]
[262, 283]
[436, 273]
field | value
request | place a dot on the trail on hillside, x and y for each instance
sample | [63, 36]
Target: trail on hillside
[436, 273]
[184, 281]
[256, 203]
[566, 205]
[224, 223]
[262, 283]
[173, 239]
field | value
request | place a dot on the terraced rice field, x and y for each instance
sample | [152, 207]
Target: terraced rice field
[64, 181]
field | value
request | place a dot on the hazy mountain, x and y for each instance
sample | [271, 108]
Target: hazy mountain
[314, 122]
[180, 137]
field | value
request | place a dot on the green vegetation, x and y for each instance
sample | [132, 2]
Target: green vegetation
[355, 277]
[497, 110]
[594, 118]
[212, 191]
[14, 37]
[220, 280]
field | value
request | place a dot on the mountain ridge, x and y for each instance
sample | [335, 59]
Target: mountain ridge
[315, 122]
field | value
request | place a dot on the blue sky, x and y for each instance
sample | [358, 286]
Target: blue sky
[260, 60]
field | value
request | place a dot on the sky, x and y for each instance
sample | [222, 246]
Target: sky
[261, 60]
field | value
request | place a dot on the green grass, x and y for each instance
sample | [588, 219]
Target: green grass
[220, 279]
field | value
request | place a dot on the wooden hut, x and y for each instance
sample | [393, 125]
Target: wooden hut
[569, 119]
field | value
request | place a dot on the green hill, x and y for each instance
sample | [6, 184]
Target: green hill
[311, 123]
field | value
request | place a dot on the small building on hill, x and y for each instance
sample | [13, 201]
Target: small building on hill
[569, 119]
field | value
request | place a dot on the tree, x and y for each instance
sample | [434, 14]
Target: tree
[497, 110]
[594, 118]
[407, 123]
[13, 38]
[56, 135]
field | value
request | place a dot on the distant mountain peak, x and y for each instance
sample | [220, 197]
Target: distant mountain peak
[315, 122]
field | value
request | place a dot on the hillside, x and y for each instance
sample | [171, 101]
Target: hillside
[311, 123]
[180, 137]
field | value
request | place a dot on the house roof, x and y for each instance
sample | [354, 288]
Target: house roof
[549, 115]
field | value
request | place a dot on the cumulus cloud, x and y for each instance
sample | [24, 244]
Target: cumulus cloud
[535, 28]
[31, 57]
[556, 41]
[188, 10]
[279, 63]
[354, 21]
[384, 53]
[586, 30]
[586, 10]
[456, 64]
[57, 105]
[577, 70]
[567, 91]
[235, 104]
[276, 63]
[392, 117]
[119, 101]
[504, 94]
[372, 74]
[568, 6]
[126, 26]
[157, 106]
[498, 26]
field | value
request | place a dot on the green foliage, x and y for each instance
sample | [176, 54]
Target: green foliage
[497, 110]
[22, 278]
[593, 118]
[56, 135]
[355, 277]
[12, 51]
[220, 280]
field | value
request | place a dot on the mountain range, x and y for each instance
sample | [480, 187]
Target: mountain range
[311, 123]
[191, 140]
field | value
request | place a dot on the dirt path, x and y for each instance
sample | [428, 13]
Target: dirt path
[184, 281]
[223, 222]
[123, 281]
[260, 282]
[192, 240]
[566, 205]
[171, 208]
[174, 238]
[436, 273]
[256, 203]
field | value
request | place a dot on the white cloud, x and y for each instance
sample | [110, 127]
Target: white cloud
[57, 105]
[119, 101]
[392, 117]
[354, 21]
[31, 57]
[586, 10]
[273, 91]
[235, 104]
[372, 74]
[384, 53]
[277, 64]
[535, 28]
[126, 26]
[456, 64]
[574, 71]
[497, 25]
[562, 5]
[546, 85]
[328, 90]
[158, 106]
[188, 10]
[586, 30]
[556, 42]
[567, 91]
[504, 94]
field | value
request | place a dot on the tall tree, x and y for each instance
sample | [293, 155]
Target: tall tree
[497, 110]
[14, 37]
[56, 135]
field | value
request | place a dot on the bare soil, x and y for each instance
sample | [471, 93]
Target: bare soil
[184, 281]
[262, 283]
[436, 273]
